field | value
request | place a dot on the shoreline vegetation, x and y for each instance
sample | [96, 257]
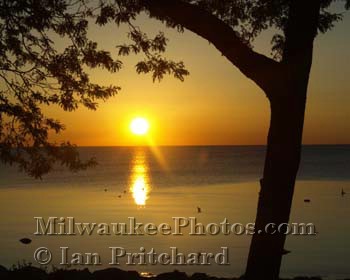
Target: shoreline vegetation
[29, 272]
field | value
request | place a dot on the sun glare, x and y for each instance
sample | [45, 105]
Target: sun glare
[139, 126]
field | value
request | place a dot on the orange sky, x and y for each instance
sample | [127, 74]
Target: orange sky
[216, 105]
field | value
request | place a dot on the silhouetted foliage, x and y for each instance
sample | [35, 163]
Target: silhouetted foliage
[247, 18]
[35, 73]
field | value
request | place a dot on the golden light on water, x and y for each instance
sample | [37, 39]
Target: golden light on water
[140, 187]
[139, 191]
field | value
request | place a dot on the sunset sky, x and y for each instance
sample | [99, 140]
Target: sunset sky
[216, 105]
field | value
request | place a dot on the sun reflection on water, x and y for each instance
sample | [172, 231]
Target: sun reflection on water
[140, 187]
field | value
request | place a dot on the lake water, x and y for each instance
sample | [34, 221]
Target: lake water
[157, 184]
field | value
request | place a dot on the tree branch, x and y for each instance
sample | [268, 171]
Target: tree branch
[259, 68]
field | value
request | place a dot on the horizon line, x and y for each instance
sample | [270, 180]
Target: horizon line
[199, 145]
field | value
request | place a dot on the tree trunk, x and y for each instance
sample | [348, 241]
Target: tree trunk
[287, 99]
[277, 186]
[285, 84]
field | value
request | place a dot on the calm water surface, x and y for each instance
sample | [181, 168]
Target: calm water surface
[154, 185]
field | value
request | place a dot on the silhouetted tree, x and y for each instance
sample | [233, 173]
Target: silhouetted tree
[231, 26]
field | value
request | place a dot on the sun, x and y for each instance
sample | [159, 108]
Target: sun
[139, 126]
